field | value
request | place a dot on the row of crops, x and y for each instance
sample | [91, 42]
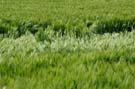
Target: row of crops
[12, 28]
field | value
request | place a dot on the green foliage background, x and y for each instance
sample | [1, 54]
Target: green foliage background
[66, 44]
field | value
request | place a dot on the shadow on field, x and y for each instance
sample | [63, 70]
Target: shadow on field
[17, 29]
[115, 26]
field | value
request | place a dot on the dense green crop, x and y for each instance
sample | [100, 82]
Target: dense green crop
[101, 61]
[103, 15]
[67, 44]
